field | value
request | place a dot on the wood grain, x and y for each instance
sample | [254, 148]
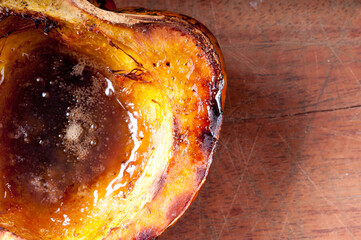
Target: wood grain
[289, 159]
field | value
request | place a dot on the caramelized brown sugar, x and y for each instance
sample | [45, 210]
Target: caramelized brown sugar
[71, 145]
[60, 125]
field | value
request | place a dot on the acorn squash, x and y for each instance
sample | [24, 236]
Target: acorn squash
[108, 120]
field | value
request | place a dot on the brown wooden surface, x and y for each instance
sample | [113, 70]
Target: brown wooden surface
[289, 159]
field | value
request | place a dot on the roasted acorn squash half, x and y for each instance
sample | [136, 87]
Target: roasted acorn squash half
[108, 120]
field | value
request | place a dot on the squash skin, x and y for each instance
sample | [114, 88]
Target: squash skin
[194, 102]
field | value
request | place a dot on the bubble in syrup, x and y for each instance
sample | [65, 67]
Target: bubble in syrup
[93, 126]
[39, 79]
[93, 142]
[45, 94]
[41, 142]
[27, 140]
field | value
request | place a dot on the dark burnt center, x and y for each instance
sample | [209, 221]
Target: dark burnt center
[60, 125]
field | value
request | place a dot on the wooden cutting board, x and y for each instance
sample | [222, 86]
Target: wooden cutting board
[289, 159]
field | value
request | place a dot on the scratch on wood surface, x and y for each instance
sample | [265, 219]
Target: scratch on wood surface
[240, 148]
[337, 197]
[283, 226]
[255, 225]
[223, 215]
[355, 117]
[292, 230]
[261, 213]
[214, 18]
[338, 133]
[239, 184]
[243, 59]
[325, 83]
[200, 215]
[229, 152]
[305, 173]
[345, 225]
[285, 142]
[236, 152]
[343, 64]
[317, 71]
[338, 57]
[328, 201]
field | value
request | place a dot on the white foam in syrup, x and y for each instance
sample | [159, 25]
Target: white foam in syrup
[80, 132]
[73, 132]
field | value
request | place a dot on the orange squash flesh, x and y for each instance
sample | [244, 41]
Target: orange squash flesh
[159, 75]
